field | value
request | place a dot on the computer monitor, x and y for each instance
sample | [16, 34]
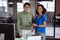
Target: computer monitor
[8, 30]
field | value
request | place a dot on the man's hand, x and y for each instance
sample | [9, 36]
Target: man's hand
[20, 34]
[32, 30]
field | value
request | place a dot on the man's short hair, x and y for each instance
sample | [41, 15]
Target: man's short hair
[26, 4]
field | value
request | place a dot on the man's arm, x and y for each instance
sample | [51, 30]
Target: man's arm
[32, 28]
[18, 25]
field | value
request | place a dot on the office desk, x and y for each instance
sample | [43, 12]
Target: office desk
[4, 19]
[57, 17]
[57, 20]
[30, 38]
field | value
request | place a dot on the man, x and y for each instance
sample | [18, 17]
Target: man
[24, 19]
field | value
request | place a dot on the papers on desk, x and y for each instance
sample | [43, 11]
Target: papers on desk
[17, 38]
[34, 38]
[27, 32]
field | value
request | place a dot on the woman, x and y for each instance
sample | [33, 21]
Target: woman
[40, 21]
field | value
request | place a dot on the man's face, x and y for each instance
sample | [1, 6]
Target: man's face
[26, 8]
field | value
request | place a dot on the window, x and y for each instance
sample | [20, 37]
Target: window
[3, 5]
[19, 7]
[49, 5]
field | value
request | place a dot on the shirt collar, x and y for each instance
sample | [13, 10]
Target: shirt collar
[25, 12]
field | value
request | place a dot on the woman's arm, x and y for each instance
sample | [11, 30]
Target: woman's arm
[44, 21]
[44, 24]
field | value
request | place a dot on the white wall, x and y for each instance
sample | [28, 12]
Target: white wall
[10, 10]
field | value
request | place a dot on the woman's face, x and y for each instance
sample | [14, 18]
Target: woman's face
[39, 9]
